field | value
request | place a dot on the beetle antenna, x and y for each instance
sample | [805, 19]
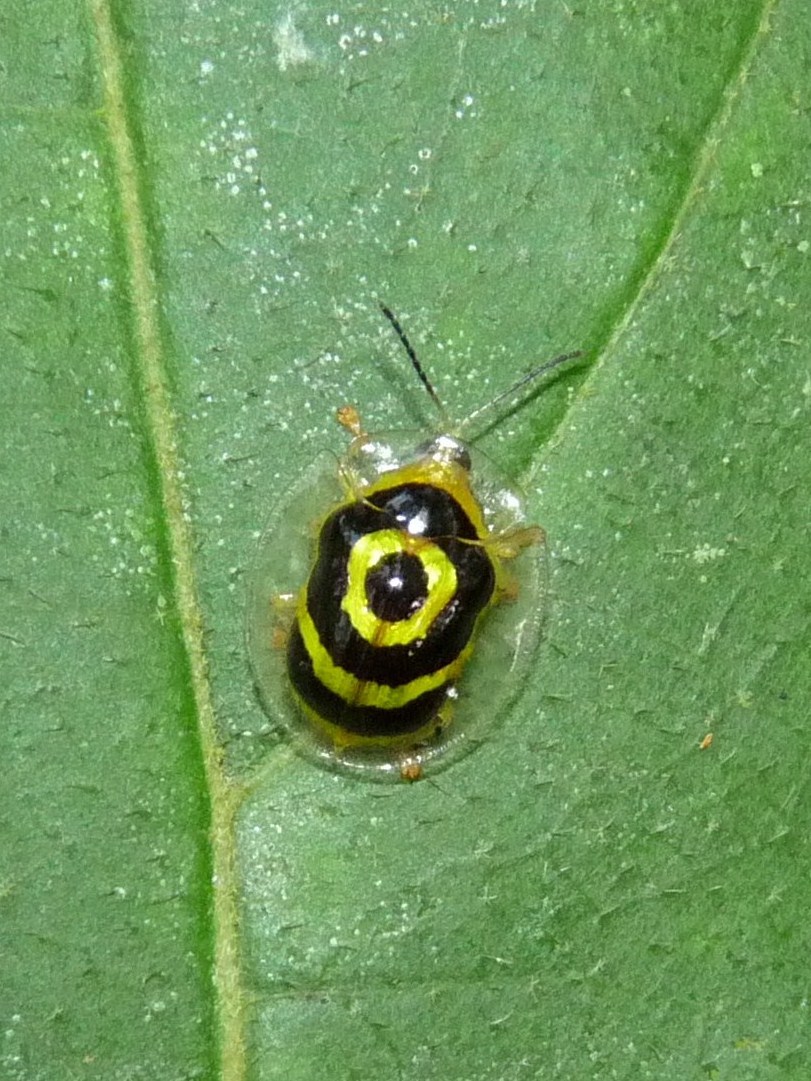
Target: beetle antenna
[536, 373]
[412, 356]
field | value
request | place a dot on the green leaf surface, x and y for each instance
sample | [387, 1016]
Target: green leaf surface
[201, 204]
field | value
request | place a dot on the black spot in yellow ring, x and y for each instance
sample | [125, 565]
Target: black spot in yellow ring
[396, 586]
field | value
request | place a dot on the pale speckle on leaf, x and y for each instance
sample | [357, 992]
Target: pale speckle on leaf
[290, 44]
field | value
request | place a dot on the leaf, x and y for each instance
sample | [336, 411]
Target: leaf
[201, 206]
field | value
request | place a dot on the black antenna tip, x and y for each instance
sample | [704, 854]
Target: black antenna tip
[412, 356]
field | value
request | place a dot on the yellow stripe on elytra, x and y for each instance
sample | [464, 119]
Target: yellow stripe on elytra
[370, 550]
[356, 692]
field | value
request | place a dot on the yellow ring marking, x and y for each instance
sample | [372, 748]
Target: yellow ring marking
[367, 553]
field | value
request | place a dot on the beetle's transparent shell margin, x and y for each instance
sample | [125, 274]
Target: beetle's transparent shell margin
[504, 646]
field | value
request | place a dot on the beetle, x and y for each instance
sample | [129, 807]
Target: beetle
[409, 565]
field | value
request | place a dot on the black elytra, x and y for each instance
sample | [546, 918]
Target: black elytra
[424, 510]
